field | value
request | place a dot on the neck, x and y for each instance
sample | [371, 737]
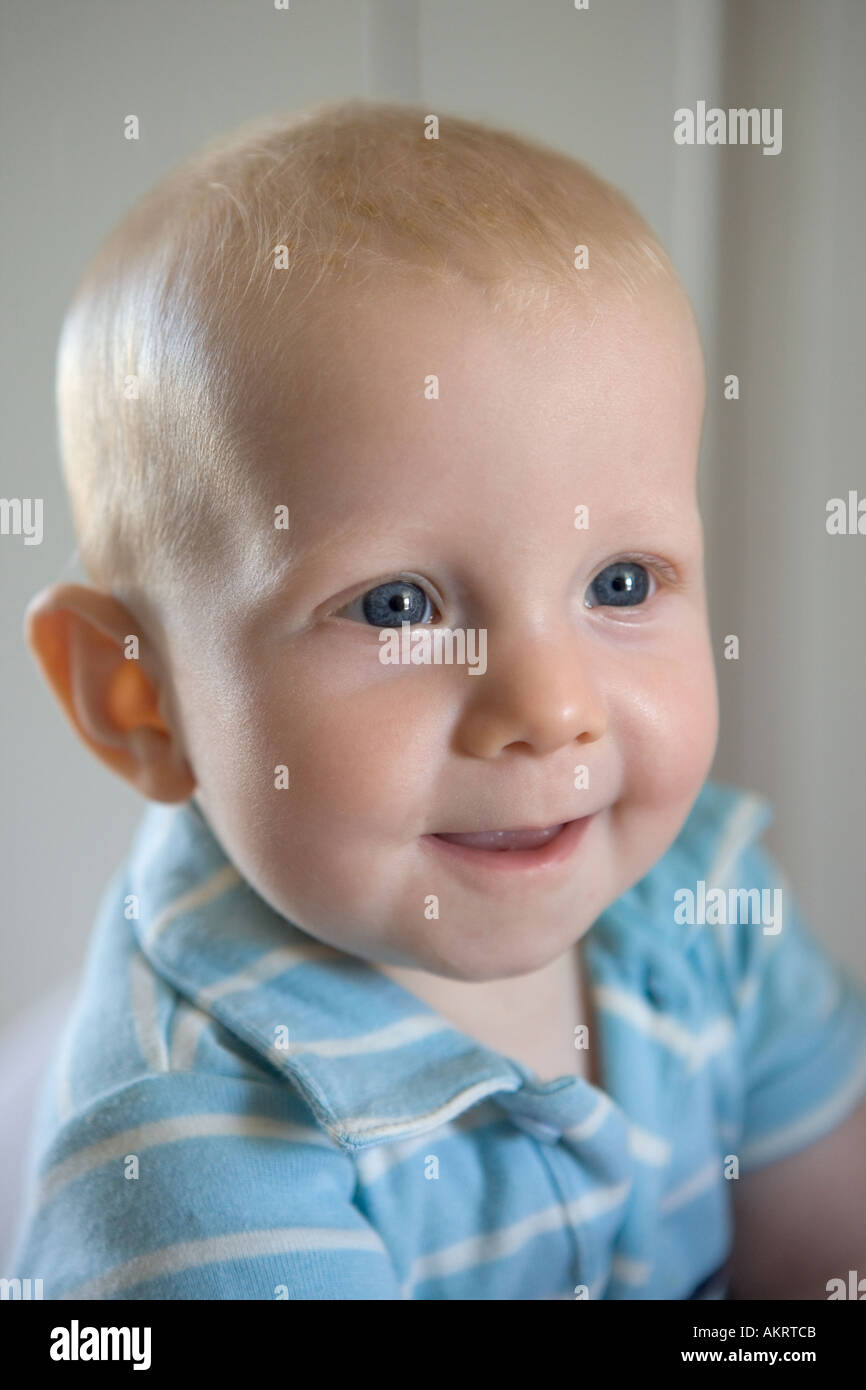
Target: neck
[529, 1018]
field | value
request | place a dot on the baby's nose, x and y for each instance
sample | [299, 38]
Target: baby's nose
[539, 693]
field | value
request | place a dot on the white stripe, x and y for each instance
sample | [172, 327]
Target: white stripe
[642, 1143]
[808, 1128]
[220, 882]
[145, 1013]
[712, 1040]
[693, 1186]
[589, 1126]
[665, 1030]
[241, 1245]
[63, 1093]
[381, 1128]
[736, 836]
[495, 1245]
[594, 1289]
[629, 1271]
[268, 966]
[405, 1030]
[372, 1163]
[178, 1127]
[188, 1024]
[649, 1147]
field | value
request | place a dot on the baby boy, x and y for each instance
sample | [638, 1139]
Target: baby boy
[393, 997]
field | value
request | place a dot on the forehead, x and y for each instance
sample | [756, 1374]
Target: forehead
[426, 405]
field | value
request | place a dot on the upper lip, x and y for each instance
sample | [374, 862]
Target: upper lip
[507, 829]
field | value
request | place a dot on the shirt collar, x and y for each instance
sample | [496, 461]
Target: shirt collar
[372, 1060]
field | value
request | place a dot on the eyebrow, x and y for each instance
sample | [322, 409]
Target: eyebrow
[334, 544]
[326, 549]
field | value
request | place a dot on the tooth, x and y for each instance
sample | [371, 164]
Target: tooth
[502, 840]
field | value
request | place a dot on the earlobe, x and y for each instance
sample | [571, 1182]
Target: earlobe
[79, 637]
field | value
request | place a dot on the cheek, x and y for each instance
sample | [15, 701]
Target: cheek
[358, 774]
[669, 728]
[358, 755]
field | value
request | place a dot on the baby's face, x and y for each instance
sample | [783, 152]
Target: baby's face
[461, 509]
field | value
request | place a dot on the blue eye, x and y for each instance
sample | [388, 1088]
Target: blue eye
[388, 605]
[624, 584]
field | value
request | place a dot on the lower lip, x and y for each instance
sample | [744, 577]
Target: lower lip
[515, 861]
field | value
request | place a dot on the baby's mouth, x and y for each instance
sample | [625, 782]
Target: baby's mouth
[503, 839]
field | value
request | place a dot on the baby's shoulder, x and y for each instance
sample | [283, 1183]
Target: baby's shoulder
[130, 1021]
[724, 825]
[135, 1053]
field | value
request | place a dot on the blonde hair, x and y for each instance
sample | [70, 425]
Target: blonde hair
[157, 360]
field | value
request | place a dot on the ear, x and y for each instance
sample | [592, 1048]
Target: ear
[113, 690]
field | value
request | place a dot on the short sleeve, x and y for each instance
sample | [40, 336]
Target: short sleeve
[801, 1019]
[191, 1186]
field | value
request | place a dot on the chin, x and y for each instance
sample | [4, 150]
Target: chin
[501, 963]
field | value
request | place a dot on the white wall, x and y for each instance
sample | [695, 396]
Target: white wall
[768, 247]
[790, 323]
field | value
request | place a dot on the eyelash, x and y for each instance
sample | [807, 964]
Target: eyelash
[668, 575]
[667, 572]
[409, 579]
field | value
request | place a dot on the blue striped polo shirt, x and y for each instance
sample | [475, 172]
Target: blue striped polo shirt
[239, 1112]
